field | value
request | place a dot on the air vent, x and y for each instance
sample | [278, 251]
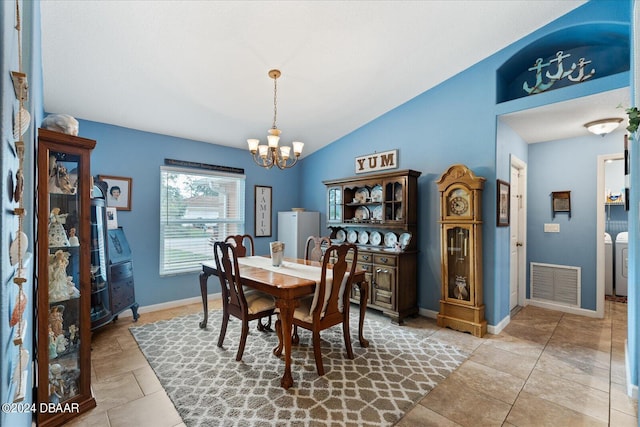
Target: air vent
[555, 283]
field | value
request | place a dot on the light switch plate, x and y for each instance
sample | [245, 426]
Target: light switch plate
[552, 228]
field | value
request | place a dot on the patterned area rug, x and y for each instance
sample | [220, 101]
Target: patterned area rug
[209, 388]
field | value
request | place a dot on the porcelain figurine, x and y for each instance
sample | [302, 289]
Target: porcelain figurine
[73, 239]
[57, 234]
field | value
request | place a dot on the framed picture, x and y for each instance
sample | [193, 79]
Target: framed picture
[262, 211]
[561, 202]
[118, 192]
[112, 218]
[504, 203]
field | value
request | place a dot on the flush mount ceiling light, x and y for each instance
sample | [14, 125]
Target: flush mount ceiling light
[269, 155]
[604, 126]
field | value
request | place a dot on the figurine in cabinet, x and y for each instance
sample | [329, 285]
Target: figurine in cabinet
[61, 286]
[57, 234]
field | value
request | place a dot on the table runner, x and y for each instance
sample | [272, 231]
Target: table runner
[309, 272]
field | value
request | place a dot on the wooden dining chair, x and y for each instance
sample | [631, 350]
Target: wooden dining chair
[313, 248]
[245, 247]
[243, 244]
[245, 305]
[330, 303]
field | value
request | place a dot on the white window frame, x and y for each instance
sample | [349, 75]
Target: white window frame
[185, 242]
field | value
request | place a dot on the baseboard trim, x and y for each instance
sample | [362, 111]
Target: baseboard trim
[428, 313]
[632, 390]
[169, 304]
[564, 308]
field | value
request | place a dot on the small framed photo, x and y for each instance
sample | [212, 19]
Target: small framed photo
[112, 218]
[504, 203]
[118, 191]
[262, 211]
[561, 202]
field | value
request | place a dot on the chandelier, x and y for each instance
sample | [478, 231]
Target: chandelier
[269, 155]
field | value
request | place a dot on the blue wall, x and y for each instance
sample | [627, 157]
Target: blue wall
[139, 155]
[31, 63]
[455, 122]
[567, 165]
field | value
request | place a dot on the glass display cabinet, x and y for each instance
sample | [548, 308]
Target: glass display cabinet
[64, 278]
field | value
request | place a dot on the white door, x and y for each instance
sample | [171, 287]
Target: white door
[515, 244]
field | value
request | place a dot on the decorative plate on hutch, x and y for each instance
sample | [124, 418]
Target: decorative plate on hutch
[341, 236]
[363, 238]
[362, 213]
[376, 193]
[404, 239]
[375, 238]
[376, 213]
[352, 236]
[362, 194]
[390, 239]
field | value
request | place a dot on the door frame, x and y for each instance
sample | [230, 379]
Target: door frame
[600, 220]
[521, 165]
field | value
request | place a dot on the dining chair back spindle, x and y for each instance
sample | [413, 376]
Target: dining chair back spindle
[243, 244]
[329, 305]
[313, 248]
[245, 305]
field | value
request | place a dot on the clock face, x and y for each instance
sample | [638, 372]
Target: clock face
[459, 202]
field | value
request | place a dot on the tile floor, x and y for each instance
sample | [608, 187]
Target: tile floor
[545, 369]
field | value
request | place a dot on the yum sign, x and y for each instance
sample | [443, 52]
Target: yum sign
[377, 161]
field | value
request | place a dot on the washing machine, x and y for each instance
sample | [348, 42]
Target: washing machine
[621, 262]
[608, 264]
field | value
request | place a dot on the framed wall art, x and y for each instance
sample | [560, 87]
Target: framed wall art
[504, 203]
[262, 211]
[561, 202]
[118, 191]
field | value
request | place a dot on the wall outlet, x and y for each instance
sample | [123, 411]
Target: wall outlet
[552, 228]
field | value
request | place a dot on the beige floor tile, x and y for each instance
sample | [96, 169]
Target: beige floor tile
[461, 340]
[492, 382]
[128, 360]
[621, 402]
[521, 329]
[498, 358]
[578, 355]
[515, 345]
[92, 418]
[147, 380]
[532, 411]
[620, 419]
[455, 400]
[115, 391]
[574, 370]
[420, 416]
[586, 400]
[155, 410]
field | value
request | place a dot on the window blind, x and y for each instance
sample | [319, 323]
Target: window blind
[196, 207]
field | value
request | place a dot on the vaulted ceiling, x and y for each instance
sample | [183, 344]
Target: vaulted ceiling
[198, 69]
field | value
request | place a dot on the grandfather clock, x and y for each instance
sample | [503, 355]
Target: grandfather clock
[461, 304]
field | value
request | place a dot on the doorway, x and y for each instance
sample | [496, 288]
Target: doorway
[601, 219]
[517, 234]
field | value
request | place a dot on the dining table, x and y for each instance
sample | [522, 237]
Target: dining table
[294, 279]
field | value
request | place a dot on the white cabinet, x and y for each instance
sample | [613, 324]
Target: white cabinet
[294, 228]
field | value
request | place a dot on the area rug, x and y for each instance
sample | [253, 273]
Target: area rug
[209, 388]
[616, 298]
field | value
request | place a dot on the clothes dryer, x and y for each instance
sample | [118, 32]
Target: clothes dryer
[621, 263]
[608, 264]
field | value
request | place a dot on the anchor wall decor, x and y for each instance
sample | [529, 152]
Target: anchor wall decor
[560, 73]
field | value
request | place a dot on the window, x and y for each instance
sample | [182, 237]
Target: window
[196, 207]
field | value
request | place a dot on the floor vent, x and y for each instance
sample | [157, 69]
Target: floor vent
[555, 283]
